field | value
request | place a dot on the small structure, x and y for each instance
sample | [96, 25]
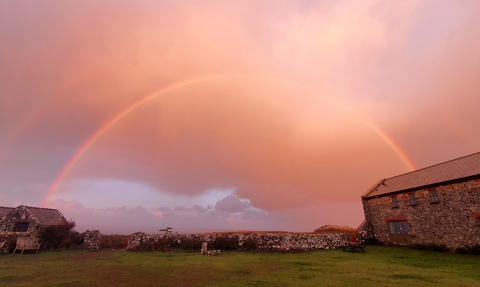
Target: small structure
[26, 222]
[437, 206]
[26, 243]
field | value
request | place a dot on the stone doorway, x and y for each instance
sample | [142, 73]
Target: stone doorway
[399, 232]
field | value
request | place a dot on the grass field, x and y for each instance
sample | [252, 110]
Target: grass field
[379, 266]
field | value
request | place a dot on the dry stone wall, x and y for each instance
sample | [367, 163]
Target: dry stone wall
[91, 239]
[451, 222]
[264, 241]
[22, 214]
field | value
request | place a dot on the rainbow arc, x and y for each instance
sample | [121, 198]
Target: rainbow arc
[111, 122]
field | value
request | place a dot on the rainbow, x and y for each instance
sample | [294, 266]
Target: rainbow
[106, 126]
[403, 156]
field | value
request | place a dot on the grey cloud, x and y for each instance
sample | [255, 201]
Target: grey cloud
[231, 204]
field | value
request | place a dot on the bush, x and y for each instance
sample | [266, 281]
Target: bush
[9, 243]
[161, 244]
[192, 243]
[114, 241]
[249, 244]
[225, 243]
[60, 237]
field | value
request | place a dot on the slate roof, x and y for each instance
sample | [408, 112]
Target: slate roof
[455, 169]
[5, 210]
[47, 216]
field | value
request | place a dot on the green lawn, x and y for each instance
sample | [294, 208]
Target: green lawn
[379, 266]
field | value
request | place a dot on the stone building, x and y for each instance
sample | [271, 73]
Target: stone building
[438, 205]
[27, 220]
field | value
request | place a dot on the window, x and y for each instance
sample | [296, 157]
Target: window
[21, 226]
[394, 201]
[432, 193]
[398, 227]
[412, 198]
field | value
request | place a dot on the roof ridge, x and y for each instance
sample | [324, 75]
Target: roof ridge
[431, 166]
[34, 207]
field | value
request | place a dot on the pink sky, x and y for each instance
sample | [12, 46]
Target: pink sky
[260, 115]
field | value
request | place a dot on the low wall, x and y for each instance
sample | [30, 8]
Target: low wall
[264, 241]
[91, 239]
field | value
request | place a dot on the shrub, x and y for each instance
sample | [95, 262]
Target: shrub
[9, 243]
[192, 243]
[114, 241]
[160, 244]
[60, 237]
[249, 244]
[225, 243]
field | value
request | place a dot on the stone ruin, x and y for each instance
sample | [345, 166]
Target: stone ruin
[264, 241]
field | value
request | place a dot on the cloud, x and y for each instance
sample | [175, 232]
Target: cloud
[231, 204]
[287, 128]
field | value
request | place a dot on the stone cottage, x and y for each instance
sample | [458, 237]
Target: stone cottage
[437, 205]
[28, 220]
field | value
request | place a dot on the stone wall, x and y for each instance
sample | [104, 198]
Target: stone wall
[264, 241]
[452, 222]
[365, 233]
[91, 239]
[21, 214]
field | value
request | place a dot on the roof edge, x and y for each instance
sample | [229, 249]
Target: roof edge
[461, 179]
[427, 167]
[371, 189]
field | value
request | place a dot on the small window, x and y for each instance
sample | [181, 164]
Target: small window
[433, 196]
[412, 198]
[21, 226]
[398, 227]
[394, 201]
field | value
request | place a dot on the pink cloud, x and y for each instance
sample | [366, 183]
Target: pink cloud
[284, 140]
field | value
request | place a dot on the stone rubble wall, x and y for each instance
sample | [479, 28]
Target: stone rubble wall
[7, 222]
[91, 239]
[265, 241]
[450, 222]
[365, 233]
